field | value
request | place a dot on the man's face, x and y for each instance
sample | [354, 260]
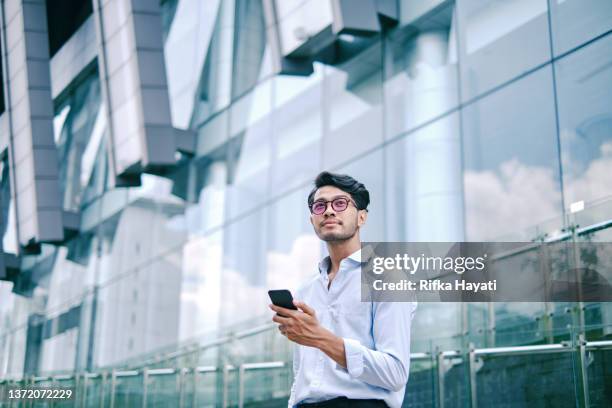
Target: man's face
[333, 225]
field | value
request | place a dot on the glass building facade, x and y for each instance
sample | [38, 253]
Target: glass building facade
[183, 167]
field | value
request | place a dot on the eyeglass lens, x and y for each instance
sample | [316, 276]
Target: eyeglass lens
[338, 204]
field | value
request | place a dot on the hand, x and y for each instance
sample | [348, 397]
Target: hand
[300, 326]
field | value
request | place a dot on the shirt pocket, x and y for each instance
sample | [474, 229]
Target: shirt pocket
[353, 319]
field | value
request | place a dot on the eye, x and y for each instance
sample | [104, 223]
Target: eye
[340, 204]
[318, 207]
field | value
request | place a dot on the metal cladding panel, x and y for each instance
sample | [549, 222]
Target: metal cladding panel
[133, 75]
[357, 18]
[308, 32]
[33, 158]
[388, 11]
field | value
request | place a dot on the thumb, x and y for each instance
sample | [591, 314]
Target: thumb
[304, 307]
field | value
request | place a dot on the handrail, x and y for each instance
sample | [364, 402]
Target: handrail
[259, 366]
[126, 373]
[598, 344]
[488, 351]
[522, 349]
[161, 371]
[206, 369]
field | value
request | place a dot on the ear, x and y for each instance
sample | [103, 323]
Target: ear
[362, 216]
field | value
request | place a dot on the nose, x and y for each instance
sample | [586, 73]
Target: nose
[329, 210]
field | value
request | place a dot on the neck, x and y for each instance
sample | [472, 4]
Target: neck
[338, 250]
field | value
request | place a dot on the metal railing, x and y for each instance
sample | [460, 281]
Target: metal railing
[108, 381]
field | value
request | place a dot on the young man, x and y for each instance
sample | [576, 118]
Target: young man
[348, 352]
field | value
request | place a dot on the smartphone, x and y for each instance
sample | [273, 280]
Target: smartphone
[282, 298]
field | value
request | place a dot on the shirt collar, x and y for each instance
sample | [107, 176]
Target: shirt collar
[354, 258]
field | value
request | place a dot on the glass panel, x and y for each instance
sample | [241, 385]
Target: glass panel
[597, 316]
[250, 151]
[215, 81]
[8, 230]
[128, 391]
[456, 383]
[297, 129]
[446, 317]
[138, 304]
[527, 380]
[163, 390]
[575, 22]
[96, 164]
[511, 170]
[492, 41]
[42, 384]
[293, 249]
[211, 177]
[353, 99]
[250, 63]
[79, 127]
[518, 323]
[208, 392]
[600, 378]
[424, 79]
[585, 121]
[267, 387]
[200, 300]
[66, 384]
[232, 385]
[93, 392]
[244, 270]
[188, 388]
[252, 108]
[421, 387]
[235, 60]
[561, 318]
[185, 49]
[423, 174]
[475, 316]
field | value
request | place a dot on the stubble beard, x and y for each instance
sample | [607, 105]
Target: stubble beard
[337, 237]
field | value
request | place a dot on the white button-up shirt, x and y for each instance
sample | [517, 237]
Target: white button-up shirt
[376, 340]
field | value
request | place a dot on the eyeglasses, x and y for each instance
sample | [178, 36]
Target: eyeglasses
[338, 204]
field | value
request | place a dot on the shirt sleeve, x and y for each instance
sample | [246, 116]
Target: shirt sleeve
[388, 364]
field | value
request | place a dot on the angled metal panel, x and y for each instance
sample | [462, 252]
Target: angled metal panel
[355, 18]
[388, 11]
[32, 154]
[300, 36]
[72, 59]
[281, 63]
[185, 141]
[133, 77]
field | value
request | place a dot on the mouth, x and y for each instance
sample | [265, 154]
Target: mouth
[329, 223]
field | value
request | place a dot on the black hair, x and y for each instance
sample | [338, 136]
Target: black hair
[346, 183]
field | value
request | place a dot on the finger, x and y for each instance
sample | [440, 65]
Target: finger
[281, 310]
[280, 319]
[304, 307]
